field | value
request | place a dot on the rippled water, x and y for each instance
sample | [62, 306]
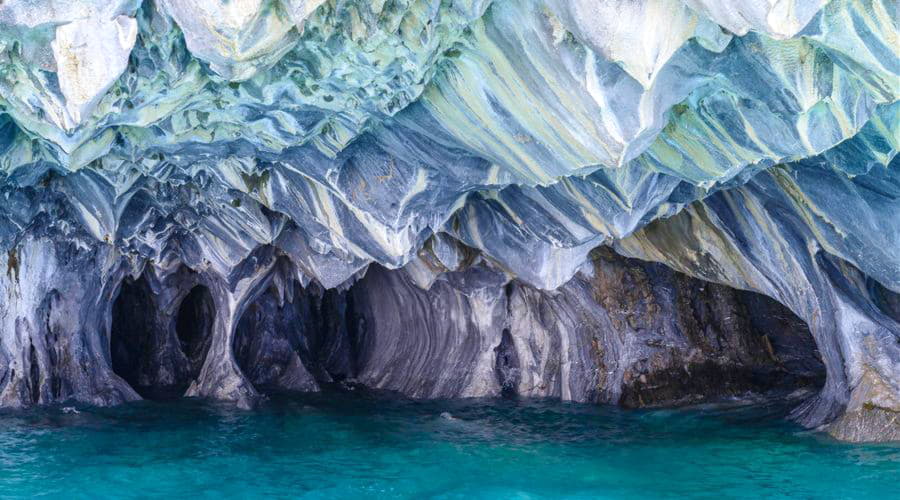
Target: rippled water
[374, 446]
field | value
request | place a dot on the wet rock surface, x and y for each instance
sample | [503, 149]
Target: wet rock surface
[621, 332]
[222, 199]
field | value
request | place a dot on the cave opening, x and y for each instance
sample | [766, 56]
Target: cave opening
[506, 365]
[273, 338]
[675, 340]
[156, 352]
[886, 300]
[193, 327]
[133, 342]
[738, 345]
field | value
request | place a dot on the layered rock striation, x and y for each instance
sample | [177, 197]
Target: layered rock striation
[641, 203]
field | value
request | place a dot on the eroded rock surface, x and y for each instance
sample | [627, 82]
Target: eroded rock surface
[224, 198]
[621, 331]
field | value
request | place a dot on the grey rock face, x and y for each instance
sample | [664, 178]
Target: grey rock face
[224, 198]
[161, 330]
[641, 335]
[621, 332]
[435, 343]
[55, 314]
[276, 337]
[849, 312]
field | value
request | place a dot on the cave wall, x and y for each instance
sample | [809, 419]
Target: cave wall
[621, 331]
[277, 339]
[367, 172]
[783, 236]
[55, 318]
[636, 334]
[454, 322]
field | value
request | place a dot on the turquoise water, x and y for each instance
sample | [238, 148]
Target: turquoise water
[375, 446]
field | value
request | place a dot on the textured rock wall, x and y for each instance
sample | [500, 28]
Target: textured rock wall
[753, 239]
[57, 297]
[621, 332]
[316, 166]
[642, 335]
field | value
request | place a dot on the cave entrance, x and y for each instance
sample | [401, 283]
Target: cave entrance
[782, 344]
[736, 344]
[193, 327]
[158, 354]
[133, 339]
[272, 341]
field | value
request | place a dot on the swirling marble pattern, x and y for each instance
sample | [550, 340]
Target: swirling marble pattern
[465, 158]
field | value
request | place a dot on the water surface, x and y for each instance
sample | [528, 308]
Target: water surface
[362, 445]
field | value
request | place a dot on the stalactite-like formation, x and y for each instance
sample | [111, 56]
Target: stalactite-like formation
[223, 199]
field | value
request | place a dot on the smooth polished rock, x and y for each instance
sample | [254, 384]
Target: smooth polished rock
[319, 162]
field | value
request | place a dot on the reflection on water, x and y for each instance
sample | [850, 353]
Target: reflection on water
[340, 445]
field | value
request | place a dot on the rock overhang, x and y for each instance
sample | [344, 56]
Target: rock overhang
[342, 134]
